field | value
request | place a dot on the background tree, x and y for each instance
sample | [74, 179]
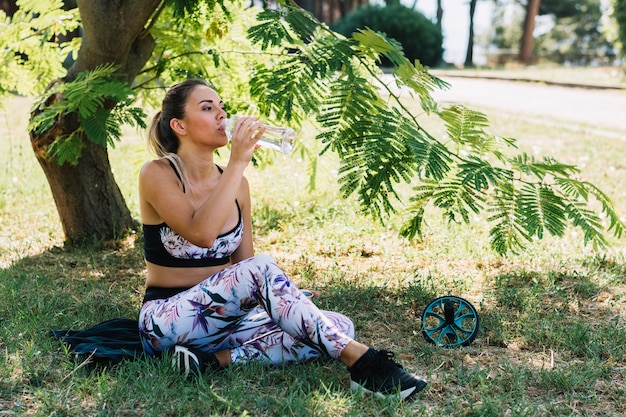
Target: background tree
[575, 32]
[290, 68]
[420, 38]
[469, 55]
[86, 194]
[329, 11]
[577, 36]
[505, 35]
[439, 14]
[619, 14]
[526, 45]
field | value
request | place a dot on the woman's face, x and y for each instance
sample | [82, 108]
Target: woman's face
[204, 112]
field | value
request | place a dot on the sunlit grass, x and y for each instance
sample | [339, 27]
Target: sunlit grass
[553, 334]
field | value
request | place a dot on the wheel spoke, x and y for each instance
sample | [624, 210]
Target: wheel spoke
[450, 322]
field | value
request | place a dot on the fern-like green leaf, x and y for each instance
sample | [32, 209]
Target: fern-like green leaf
[480, 174]
[373, 44]
[432, 158]
[527, 164]
[616, 224]
[457, 198]
[588, 221]
[302, 24]
[185, 9]
[95, 126]
[422, 195]
[87, 96]
[572, 187]
[464, 126]
[417, 78]
[272, 31]
[124, 114]
[507, 234]
[66, 149]
[541, 210]
[290, 84]
[415, 225]
[45, 118]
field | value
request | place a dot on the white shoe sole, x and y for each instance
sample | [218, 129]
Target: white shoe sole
[184, 360]
[355, 386]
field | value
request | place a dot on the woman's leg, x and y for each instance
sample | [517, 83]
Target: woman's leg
[262, 340]
[213, 314]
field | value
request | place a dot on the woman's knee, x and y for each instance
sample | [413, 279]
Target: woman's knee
[342, 322]
[349, 327]
[264, 259]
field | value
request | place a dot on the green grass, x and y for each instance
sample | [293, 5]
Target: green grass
[553, 331]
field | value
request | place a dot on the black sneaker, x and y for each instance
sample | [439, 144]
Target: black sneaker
[376, 373]
[190, 361]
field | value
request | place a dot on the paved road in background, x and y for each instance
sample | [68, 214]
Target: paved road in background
[599, 109]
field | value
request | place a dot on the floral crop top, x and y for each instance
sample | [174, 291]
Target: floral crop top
[163, 246]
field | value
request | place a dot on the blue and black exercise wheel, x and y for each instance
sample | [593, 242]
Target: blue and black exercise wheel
[450, 321]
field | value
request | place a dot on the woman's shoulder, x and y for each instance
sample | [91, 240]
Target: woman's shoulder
[154, 164]
[156, 173]
[154, 168]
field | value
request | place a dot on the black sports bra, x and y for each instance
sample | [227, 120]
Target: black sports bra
[163, 246]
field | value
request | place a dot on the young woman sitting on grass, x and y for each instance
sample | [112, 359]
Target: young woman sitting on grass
[209, 300]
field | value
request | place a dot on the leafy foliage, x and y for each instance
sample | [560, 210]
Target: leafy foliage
[576, 35]
[287, 67]
[420, 38]
[87, 97]
[619, 13]
[31, 52]
[382, 145]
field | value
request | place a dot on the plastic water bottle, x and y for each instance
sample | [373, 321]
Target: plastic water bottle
[281, 139]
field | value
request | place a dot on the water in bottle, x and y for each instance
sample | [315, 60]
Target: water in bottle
[281, 139]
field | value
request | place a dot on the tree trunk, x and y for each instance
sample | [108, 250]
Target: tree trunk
[439, 14]
[9, 7]
[88, 199]
[469, 56]
[526, 48]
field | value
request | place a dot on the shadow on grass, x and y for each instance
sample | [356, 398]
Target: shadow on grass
[77, 287]
[73, 287]
[575, 312]
[571, 312]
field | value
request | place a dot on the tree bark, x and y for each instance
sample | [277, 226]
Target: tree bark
[526, 48]
[9, 7]
[113, 32]
[88, 199]
[469, 56]
[439, 14]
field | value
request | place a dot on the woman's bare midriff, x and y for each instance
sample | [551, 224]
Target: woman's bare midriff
[168, 277]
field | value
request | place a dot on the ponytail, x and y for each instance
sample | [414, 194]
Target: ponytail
[161, 138]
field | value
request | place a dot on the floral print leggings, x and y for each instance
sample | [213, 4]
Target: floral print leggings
[251, 308]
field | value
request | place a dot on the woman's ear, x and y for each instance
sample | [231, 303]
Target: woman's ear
[177, 126]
